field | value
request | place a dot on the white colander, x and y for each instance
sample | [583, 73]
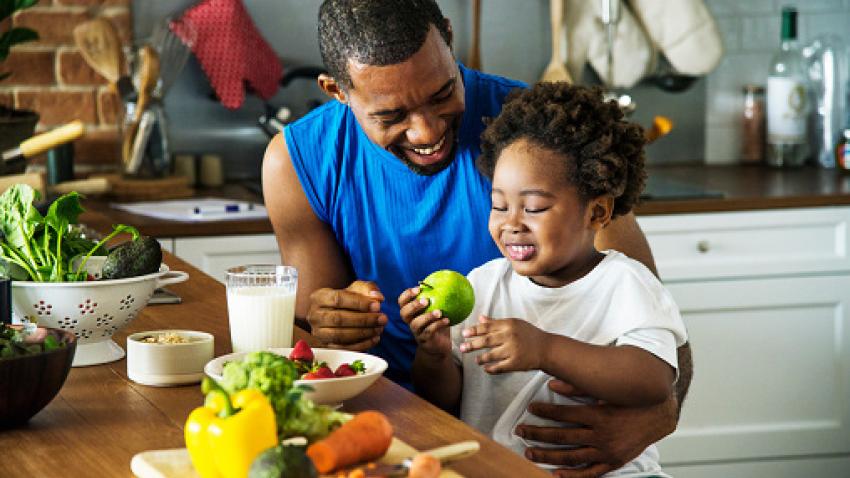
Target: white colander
[92, 310]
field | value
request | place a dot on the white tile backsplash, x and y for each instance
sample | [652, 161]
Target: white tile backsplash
[738, 7]
[750, 32]
[811, 6]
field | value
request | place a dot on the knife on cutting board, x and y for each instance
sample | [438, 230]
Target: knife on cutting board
[445, 454]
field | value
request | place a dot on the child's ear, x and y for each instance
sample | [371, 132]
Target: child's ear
[599, 211]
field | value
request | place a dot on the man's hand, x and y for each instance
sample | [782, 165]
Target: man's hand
[607, 438]
[513, 344]
[347, 318]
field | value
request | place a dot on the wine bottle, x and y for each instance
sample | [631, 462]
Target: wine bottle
[787, 99]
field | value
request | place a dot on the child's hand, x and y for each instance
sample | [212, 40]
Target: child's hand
[514, 344]
[431, 330]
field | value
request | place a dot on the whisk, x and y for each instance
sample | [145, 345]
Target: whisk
[173, 52]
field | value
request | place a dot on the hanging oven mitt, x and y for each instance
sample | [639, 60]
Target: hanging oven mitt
[684, 31]
[634, 57]
[231, 50]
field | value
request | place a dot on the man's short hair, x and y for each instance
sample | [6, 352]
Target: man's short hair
[375, 32]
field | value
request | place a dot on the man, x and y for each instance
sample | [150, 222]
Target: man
[373, 191]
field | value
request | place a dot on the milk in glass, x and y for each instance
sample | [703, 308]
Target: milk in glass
[260, 317]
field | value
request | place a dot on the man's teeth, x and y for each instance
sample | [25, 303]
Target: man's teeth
[432, 149]
[521, 250]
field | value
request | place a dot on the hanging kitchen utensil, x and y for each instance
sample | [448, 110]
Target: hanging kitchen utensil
[474, 60]
[173, 52]
[610, 15]
[148, 77]
[100, 47]
[668, 80]
[557, 68]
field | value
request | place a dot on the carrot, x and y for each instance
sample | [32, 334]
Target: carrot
[424, 466]
[365, 437]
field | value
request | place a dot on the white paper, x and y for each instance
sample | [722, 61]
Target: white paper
[196, 210]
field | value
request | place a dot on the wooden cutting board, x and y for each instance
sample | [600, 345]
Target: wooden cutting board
[132, 189]
[175, 462]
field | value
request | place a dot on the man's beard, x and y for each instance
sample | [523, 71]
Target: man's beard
[435, 168]
[430, 169]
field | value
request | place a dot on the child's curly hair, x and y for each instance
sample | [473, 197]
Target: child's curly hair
[603, 153]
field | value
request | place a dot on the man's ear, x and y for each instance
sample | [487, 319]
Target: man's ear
[599, 211]
[451, 34]
[332, 88]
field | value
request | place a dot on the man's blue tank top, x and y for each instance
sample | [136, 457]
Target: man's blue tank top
[397, 226]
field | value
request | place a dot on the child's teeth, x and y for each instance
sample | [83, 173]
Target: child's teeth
[432, 149]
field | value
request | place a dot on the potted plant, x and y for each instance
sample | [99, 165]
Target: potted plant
[15, 125]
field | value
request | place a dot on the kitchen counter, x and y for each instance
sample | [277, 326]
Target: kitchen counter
[728, 188]
[100, 419]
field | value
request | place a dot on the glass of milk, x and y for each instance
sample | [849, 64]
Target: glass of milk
[261, 306]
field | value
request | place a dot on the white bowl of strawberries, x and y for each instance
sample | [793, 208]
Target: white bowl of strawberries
[335, 375]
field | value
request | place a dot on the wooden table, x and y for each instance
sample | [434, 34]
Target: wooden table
[100, 418]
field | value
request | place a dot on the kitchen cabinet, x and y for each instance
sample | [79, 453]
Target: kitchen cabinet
[215, 254]
[766, 299]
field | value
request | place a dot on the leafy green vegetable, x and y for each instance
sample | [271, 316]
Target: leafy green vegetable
[45, 247]
[283, 461]
[274, 376]
[13, 343]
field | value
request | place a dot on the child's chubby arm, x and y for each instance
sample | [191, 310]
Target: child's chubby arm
[436, 375]
[622, 375]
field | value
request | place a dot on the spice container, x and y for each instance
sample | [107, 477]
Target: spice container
[842, 152]
[753, 125]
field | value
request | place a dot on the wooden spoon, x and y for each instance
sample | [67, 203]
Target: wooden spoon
[474, 60]
[100, 46]
[148, 77]
[557, 69]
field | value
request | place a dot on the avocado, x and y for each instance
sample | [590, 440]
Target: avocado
[289, 461]
[132, 258]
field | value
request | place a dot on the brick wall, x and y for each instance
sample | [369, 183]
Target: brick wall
[751, 31]
[51, 78]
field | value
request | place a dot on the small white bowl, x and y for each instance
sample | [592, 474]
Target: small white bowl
[164, 364]
[328, 391]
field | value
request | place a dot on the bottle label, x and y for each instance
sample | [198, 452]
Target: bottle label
[786, 111]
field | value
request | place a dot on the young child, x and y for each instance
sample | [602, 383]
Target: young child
[563, 164]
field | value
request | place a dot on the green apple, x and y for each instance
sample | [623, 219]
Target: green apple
[450, 292]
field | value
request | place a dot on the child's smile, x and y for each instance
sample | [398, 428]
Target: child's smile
[538, 219]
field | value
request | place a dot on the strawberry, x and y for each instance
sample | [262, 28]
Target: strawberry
[302, 352]
[344, 370]
[322, 372]
[347, 370]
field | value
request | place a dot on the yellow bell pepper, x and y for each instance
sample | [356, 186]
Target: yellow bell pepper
[226, 433]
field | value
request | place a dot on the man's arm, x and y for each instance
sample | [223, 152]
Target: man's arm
[304, 241]
[623, 234]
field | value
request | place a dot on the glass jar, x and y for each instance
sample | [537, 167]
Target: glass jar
[753, 125]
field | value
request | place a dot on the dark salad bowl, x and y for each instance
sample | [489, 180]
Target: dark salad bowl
[28, 382]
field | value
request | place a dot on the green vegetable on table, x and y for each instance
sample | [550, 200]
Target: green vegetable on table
[44, 248]
[133, 258]
[283, 461]
[13, 343]
[275, 377]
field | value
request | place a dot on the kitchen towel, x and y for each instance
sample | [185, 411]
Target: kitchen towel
[231, 50]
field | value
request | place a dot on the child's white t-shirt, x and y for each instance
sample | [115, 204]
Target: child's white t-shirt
[619, 302]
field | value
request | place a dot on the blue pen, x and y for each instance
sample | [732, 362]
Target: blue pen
[223, 209]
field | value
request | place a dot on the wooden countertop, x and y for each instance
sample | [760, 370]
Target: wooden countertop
[742, 188]
[752, 187]
[100, 418]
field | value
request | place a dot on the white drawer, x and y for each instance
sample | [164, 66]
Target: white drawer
[749, 244]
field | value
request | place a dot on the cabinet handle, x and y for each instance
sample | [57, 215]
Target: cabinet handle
[703, 246]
